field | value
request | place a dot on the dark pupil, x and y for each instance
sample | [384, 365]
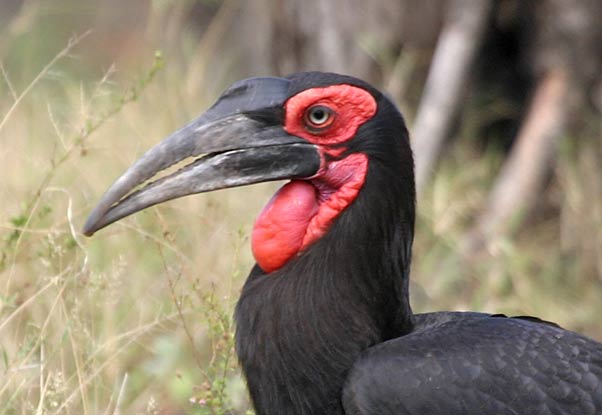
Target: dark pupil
[319, 116]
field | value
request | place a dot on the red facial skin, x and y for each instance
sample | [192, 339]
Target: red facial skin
[302, 210]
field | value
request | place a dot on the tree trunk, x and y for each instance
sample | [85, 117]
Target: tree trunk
[458, 43]
[520, 182]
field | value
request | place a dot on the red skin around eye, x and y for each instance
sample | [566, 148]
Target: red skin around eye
[303, 210]
[352, 106]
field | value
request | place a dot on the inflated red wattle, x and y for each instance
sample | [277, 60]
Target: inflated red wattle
[337, 188]
[280, 228]
[302, 211]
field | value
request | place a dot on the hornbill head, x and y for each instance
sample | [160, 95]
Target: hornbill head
[319, 130]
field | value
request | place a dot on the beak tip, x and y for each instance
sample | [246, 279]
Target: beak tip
[88, 230]
[91, 225]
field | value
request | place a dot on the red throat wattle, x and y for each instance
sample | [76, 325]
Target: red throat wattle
[302, 210]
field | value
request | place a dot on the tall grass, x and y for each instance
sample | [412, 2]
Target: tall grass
[549, 268]
[137, 320]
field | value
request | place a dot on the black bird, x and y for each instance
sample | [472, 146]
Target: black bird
[324, 324]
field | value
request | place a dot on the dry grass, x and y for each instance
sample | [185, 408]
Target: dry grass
[97, 326]
[137, 320]
[549, 268]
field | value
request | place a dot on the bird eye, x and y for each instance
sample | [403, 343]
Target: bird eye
[318, 117]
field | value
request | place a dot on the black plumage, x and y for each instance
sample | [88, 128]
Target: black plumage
[471, 363]
[332, 330]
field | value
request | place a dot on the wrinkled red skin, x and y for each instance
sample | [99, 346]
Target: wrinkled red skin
[303, 210]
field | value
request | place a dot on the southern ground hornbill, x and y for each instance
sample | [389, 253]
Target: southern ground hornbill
[324, 324]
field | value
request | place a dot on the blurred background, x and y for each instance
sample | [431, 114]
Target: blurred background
[503, 99]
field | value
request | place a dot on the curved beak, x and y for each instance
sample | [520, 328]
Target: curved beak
[238, 141]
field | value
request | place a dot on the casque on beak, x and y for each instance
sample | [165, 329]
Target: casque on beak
[240, 140]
